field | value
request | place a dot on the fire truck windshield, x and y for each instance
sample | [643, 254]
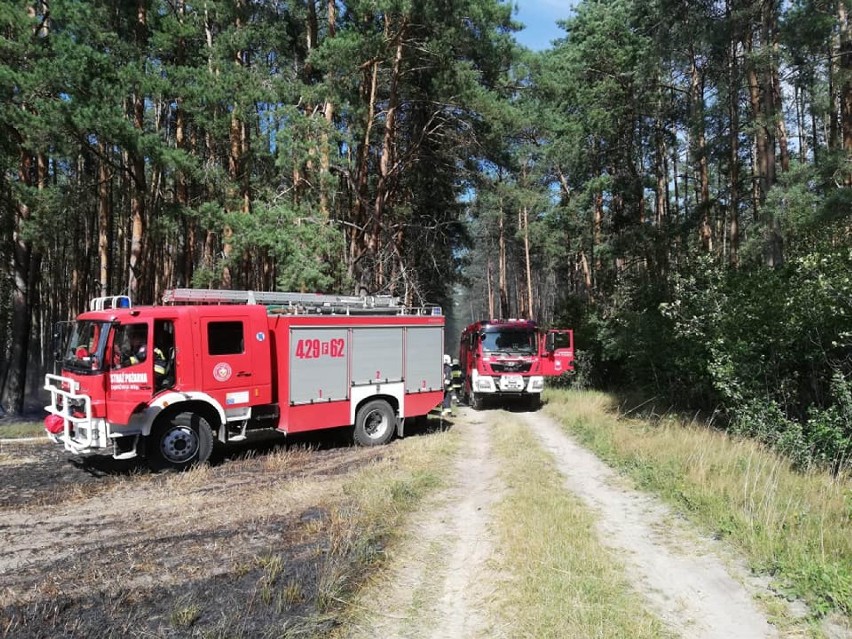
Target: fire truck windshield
[509, 341]
[84, 350]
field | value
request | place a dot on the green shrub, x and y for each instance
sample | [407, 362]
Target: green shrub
[768, 349]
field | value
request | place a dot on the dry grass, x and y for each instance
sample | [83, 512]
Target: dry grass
[13, 429]
[789, 524]
[563, 582]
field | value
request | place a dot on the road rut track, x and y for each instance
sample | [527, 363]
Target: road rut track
[440, 580]
[685, 578]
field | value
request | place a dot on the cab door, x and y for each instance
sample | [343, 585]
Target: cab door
[557, 355]
[130, 382]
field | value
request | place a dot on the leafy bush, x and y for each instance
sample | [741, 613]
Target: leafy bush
[770, 348]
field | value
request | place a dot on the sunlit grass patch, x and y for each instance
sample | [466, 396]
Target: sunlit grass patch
[793, 525]
[561, 581]
[185, 615]
[14, 430]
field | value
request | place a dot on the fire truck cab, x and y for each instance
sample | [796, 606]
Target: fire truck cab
[165, 381]
[509, 359]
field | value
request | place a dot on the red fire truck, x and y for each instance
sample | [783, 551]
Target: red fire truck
[215, 364]
[509, 359]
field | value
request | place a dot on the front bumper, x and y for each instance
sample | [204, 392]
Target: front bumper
[507, 384]
[81, 433]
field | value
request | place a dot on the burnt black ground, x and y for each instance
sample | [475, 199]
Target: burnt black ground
[196, 582]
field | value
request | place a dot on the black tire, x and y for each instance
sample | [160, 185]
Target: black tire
[477, 401]
[179, 442]
[375, 423]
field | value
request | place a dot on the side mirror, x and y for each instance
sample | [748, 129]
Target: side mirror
[57, 347]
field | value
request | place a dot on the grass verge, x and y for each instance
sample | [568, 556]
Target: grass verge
[14, 430]
[563, 582]
[791, 525]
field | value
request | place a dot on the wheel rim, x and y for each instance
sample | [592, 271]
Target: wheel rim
[376, 424]
[179, 444]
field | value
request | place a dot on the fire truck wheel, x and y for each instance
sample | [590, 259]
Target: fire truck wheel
[477, 401]
[374, 423]
[180, 442]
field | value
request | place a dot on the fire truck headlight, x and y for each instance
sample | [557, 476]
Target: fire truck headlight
[485, 384]
[536, 384]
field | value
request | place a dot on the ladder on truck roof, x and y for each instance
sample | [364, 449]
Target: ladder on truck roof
[300, 303]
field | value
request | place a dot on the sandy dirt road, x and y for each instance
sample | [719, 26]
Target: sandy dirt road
[440, 583]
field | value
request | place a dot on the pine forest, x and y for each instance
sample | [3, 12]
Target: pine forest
[672, 179]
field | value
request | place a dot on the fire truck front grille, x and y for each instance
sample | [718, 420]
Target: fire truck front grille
[511, 367]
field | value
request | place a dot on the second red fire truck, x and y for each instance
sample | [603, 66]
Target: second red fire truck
[509, 359]
[164, 382]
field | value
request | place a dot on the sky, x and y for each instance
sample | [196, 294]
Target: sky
[540, 18]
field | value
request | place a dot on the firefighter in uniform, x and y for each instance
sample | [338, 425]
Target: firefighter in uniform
[138, 352]
[456, 377]
[447, 404]
[136, 349]
[160, 364]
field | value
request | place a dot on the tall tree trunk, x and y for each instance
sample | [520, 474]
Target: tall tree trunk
[26, 261]
[238, 157]
[189, 225]
[186, 266]
[734, 141]
[660, 195]
[22, 262]
[699, 141]
[845, 64]
[814, 128]
[597, 229]
[674, 179]
[137, 206]
[586, 269]
[490, 284]
[502, 264]
[764, 143]
[136, 281]
[833, 94]
[770, 113]
[211, 241]
[800, 124]
[104, 219]
[359, 230]
[387, 159]
[527, 307]
[328, 113]
[776, 104]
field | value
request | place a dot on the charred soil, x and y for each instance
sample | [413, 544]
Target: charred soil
[239, 548]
